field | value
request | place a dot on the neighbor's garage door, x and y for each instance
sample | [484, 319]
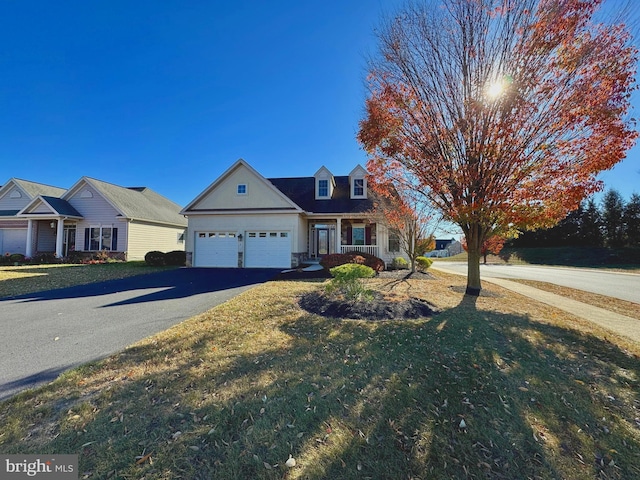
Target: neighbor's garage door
[216, 249]
[268, 250]
[13, 240]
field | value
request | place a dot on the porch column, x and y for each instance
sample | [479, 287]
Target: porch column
[338, 235]
[59, 238]
[29, 249]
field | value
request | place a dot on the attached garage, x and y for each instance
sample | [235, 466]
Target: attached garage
[268, 249]
[216, 249]
[13, 240]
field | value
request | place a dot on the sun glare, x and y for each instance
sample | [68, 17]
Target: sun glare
[495, 90]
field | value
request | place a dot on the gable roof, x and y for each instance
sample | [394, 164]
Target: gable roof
[33, 189]
[301, 190]
[56, 205]
[241, 163]
[137, 203]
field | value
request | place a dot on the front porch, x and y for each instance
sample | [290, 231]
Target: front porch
[340, 235]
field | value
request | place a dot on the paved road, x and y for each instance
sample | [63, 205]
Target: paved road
[46, 333]
[625, 286]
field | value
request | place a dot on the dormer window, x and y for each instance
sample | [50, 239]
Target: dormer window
[323, 188]
[325, 184]
[358, 187]
[358, 182]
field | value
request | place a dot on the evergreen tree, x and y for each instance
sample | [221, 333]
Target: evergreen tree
[612, 219]
[591, 225]
[631, 218]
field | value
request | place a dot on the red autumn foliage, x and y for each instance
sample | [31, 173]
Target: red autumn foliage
[502, 117]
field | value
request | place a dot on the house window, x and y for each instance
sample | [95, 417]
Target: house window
[101, 238]
[357, 236]
[242, 189]
[180, 237]
[394, 242]
[358, 187]
[323, 188]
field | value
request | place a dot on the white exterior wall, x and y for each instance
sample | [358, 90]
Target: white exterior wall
[146, 237]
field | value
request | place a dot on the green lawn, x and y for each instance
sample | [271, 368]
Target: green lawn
[496, 387]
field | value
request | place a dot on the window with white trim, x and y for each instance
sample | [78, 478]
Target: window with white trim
[242, 189]
[323, 188]
[357, 236]
[101, 238]
[358, 187]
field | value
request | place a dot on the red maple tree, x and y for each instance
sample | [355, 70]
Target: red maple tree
[503, 111]
[404, 212]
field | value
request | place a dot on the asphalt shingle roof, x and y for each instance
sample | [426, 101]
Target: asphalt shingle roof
[140, 203]
[61, 206]
[301, 191]
[34, 189]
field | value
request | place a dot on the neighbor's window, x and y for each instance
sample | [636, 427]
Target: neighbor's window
[101, 238]
[358, 187]
[323, 188]
[242, 189]
[357, 236]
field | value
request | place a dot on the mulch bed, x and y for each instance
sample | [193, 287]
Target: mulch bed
[378, 308]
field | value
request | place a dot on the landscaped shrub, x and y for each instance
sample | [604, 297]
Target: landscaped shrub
[44, 258]
[423, 263]
[155, 258]
[347, 279]
[399, 263]
[176, 257]
[16, 258]
[336, 259]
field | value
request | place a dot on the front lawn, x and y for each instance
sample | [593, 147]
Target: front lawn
[494, 387]
[36, 278]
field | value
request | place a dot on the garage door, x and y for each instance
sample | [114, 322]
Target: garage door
[268, 249]
[13, 240]
[216, 249]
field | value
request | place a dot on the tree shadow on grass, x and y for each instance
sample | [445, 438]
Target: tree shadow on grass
[353, 399]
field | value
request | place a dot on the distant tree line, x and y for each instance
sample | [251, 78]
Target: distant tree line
[612, 223]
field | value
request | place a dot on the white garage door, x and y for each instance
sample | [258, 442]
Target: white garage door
[13, 240]
[216, 249]
[268, 250]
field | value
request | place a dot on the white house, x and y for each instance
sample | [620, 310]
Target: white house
[246, 220]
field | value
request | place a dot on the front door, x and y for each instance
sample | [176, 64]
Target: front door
[322, 241]
[68, 240]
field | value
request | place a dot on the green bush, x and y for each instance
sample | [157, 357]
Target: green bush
[16, 258]
[336, 259]
[176, 257]
[423, 263]
[45, 258]
[155, 258]
[347, 280]
[399, 263]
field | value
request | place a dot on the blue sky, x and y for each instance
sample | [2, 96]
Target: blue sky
[168, 94]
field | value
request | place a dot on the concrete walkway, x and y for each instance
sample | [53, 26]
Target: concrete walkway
[620, 324]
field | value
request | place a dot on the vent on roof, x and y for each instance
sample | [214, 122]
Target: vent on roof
[137, 189]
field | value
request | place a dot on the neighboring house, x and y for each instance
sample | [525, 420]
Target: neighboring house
[91, 216]
[246, 220]
[446, 248]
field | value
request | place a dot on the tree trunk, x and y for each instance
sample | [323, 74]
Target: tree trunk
[474, 253]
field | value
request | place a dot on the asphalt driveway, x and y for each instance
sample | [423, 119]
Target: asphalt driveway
[45, 333]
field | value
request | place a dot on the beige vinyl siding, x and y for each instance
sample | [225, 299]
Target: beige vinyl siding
[146, 237]
[41, 208]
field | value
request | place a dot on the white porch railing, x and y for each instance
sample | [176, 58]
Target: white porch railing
[370, 249]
